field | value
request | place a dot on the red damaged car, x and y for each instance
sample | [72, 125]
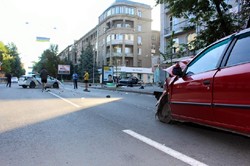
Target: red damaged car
[214, 88]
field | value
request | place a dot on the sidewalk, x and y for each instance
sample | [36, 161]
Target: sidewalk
[147, 89]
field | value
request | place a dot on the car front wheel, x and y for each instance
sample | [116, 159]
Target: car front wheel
[164, 111]
[32, 85]
[164, 114]
[55, 85]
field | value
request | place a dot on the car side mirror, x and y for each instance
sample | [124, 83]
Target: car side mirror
[177, 71]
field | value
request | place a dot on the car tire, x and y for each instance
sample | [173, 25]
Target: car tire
[164, 111]
[24, 86]
[32, 85]
[55, 85]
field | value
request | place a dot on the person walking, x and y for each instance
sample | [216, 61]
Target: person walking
[8, 75]
[44, 76]
[86, 81]
[75, 78]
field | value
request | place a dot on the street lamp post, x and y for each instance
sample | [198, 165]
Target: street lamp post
[93, 81]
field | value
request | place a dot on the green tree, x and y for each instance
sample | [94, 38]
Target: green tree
[49, 60]
[3, 51]
[11, 62]
[87, 62]
[212, 15]
[15, 62]
[170, 49]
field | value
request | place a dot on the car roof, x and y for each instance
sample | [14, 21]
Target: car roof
[28, 75]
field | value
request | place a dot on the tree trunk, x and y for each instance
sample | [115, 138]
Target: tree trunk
[225, 30]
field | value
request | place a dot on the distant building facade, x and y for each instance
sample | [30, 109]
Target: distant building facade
[124, 35]
[122, 38]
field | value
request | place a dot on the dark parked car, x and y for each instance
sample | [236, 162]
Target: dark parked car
[213, 89]
[129, 81]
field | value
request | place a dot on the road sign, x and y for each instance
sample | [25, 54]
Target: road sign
[63, 69]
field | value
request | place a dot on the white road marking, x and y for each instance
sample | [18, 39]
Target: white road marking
[165, 149]
[65, 100]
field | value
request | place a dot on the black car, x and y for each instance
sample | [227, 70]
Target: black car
[129, 81]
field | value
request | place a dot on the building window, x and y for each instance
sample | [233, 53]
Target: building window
[108, 12]
[119, 37]
[121, 9]
[139, 51]
[118, 25]
[129, 37]
[139, 63]
[126, 10]
[139, 40]
[113, 11]
[118, 49]
[117, 10]
[127, 25]
[128, 50]
[171, 23]
[119, 63]
[108, 38]
[139, 28]
[176, 45]
[139, 13]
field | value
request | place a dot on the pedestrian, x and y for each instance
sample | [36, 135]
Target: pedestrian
[8, 75]
[44, 76]
[86, 80]
[75, 78]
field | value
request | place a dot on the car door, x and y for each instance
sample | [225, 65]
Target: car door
[232, 87]
[191, 95]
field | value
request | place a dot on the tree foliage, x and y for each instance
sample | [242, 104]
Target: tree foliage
[11, 62]
[87, 62]
[169, 53]
[48, 60]
[213, 18]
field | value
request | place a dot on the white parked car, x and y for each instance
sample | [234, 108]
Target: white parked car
[34, 80]
[14, 79]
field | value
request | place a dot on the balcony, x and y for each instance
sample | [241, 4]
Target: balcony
[177, 28]
[115, 42]
[115, 54]
[129, 54]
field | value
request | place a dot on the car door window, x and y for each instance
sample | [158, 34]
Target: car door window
[207, 60]
[241, 51]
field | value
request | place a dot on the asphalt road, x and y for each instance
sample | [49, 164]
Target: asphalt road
[71, 127]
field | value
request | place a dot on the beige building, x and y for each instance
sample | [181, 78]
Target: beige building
[122, 38]
[124, 35]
